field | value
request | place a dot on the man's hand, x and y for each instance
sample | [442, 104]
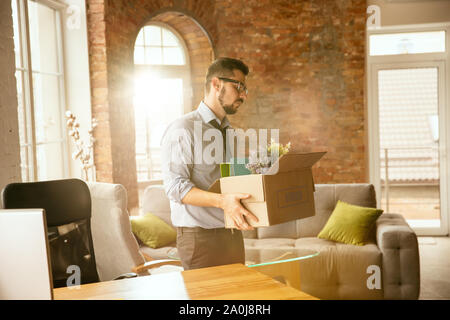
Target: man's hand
[232, 207]
[230, 203]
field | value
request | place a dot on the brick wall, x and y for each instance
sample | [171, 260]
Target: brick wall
[306, 62]
[99, 89]
[9, 131]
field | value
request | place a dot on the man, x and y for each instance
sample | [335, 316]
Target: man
[202, 240]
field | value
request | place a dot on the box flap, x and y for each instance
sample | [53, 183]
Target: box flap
[295, 161]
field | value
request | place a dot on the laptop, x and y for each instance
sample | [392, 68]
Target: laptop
[25, 268]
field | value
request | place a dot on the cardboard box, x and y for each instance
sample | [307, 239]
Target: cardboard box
[279, 195]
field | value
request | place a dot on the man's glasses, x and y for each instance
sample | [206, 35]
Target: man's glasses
[240, 86]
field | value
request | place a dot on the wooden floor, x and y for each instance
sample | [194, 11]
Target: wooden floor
[434, 268]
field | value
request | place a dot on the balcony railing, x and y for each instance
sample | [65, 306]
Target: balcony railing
[408, 157]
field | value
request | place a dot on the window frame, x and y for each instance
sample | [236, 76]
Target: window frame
[180, 41]
[26, 69]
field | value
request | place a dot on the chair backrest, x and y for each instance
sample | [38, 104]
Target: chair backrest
[67, 205]
[116, 249]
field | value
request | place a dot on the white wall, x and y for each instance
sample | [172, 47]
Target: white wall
[9, 131]
[401, 12]
[76, 60]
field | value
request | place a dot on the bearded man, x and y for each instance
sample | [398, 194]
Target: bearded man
[202, 239]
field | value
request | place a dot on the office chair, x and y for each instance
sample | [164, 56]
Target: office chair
[117, 250]
[67, 205]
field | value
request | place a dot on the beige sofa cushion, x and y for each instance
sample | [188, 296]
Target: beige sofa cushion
[155, 201]
[282, 230]
[158, 253]
[281, 243]
[339, 271]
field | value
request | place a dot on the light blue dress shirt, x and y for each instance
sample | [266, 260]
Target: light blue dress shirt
[184, 165]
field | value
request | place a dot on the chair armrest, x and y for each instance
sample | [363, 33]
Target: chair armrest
[155, 264]
[400, 263]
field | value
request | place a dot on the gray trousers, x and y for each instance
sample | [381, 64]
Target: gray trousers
[201, 248]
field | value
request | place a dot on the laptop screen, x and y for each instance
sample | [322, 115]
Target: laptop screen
[25, 269]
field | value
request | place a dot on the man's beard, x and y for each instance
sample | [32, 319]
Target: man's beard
[228, 108]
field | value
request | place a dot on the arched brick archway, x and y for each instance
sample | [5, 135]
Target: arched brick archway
[112, 30]
[199, 52]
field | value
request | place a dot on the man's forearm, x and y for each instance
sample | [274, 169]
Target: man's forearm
[201, 198]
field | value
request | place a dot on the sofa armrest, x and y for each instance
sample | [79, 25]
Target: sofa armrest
[400, 263]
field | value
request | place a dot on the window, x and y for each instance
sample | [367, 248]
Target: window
[407, 43]
[162, 93]
[40, 89]
[157, 45]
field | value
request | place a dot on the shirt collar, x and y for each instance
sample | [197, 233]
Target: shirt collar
[207, 115]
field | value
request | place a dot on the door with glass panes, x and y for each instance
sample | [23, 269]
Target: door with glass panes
[409, 102]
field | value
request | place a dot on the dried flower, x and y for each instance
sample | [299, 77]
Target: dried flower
[260, 161]
[275, 148]
[82, 153]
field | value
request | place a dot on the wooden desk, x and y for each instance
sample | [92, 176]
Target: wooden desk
[229, 282]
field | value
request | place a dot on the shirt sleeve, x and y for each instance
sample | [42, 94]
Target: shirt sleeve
[177, 162]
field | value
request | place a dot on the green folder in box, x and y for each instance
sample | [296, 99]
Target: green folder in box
[234, 168]
[238, 167]
[225, 170]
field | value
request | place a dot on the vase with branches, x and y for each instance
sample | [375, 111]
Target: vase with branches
[83, 152]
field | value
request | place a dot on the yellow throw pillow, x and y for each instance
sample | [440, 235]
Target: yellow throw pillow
[350, 224]
[153, 231]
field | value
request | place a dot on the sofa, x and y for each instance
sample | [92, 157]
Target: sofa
[340, 271]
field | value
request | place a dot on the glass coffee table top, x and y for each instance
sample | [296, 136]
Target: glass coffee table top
[258, 257]
[283, 265]
[173, 254]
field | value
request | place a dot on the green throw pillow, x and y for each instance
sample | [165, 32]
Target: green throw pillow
[153, 231]
[350, 224]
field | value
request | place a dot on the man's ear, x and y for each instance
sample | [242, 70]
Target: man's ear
[215, 83]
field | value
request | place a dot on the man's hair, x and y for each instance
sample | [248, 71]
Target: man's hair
[223, 67]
